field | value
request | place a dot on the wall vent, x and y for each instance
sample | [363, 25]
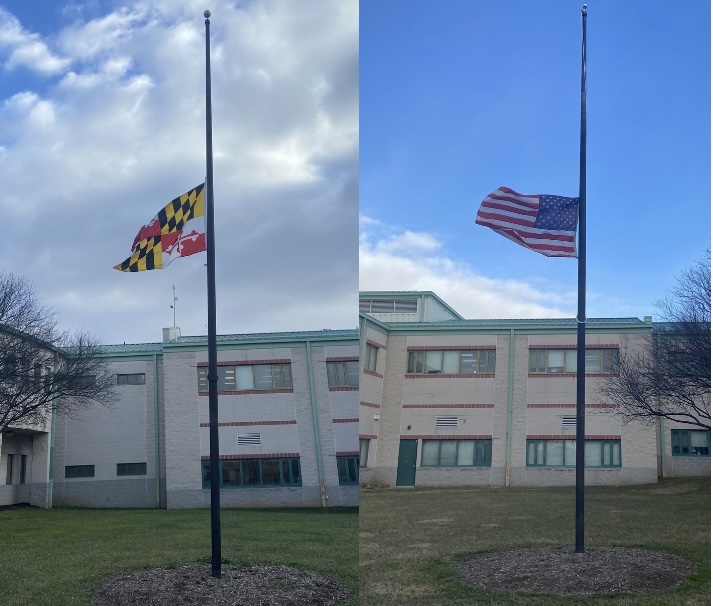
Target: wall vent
[248, 439]
[446, 421]
[569, 421]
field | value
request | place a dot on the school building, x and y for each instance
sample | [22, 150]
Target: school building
[288, 424]
[450, 401]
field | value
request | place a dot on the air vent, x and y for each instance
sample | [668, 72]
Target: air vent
[446, 421]
[569, 421]
[248, 439]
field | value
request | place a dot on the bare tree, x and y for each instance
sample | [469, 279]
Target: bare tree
[41, 367]
[670, 377]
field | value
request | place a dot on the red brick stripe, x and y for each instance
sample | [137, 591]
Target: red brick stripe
[344, 359]
[373, 374]
[343, 388]
[251, 423]
[449, 347]
[248, 362]
[446, 437]
[369, 404]
[468, 376]
[351, 453]
[571, 375]
[572, 405]
[590, 346]
[243, 392]
[345, 420]
[448, 406]
[375, 344]
[562, 437]
[272, 455]
[367, 436]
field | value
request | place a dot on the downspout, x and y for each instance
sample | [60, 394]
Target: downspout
[511, 375]
[156, 431]
[53, 424]
[315, 425]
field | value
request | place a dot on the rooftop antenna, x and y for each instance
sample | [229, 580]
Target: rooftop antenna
[173, 307]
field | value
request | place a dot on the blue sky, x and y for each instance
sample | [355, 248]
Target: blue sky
[458, 98]
[102, 122]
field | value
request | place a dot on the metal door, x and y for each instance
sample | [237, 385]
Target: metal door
[406, 470]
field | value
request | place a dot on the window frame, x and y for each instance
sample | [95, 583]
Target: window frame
[487, 451]
[127, 470]
[363, 452]
[483, 358]
[348, 470]
[10, 468]
[79, 471]
[282, 376]
[286, 466]
[608, 360]
[136, 378]
[371, 357]
[604, 444]
[333, 373]
[679, 433]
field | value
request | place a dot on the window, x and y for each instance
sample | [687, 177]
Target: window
[690, 443]
[135, 379]
[131, 469]
[456, 453]
[363, 452]
[10, 468]
[562, 453]
[370, 357]
[565, 360]
[451, 362]
[388, 306]
[348, 470]
[82, 382]
[343, 374]
[79, 471]
[255, 472]
[248, 377]
[23, 468]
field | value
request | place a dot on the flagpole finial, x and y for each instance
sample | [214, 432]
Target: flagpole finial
[206, 13]
[584, 9]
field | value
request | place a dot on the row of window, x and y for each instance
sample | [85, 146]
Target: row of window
[565, 360]
[562, 453]
[451, 362]
[122, 469]
[690, 443]
[10, 476]
[248, 377]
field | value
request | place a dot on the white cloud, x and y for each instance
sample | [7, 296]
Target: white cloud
[414, 261]
[27, 49]
[92, 155]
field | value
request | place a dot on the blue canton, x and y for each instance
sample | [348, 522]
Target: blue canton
[557, 213]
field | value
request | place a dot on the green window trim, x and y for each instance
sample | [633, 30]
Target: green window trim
[456, 453]
[79, 471]
[451, 362]
[690, 443]
[370, 357]
[564, 361]
[604, 454]
[343, 374]
[131, 469]
[265, 472]
[248, 377]
[348, 470]
[363, 452]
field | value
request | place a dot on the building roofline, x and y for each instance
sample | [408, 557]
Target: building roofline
[391, 294]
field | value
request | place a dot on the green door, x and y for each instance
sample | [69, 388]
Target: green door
[406, 471]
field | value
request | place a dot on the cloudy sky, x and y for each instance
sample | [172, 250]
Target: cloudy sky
[102, 122]
[459, 98]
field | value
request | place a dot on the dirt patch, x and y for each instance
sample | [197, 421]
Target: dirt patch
[193, 585]
[561, 571]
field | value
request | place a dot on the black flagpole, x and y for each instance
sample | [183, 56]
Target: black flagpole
[212, 341]
[581, 306]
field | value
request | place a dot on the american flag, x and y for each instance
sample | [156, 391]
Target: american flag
[543, 223]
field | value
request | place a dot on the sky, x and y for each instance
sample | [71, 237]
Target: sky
[459, 98]
[102, 122]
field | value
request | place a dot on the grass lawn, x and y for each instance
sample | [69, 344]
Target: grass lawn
[412, 540]
[56, 557]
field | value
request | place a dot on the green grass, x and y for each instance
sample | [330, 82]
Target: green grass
[56, 557]
[412, 540]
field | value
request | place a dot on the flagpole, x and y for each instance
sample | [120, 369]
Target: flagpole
[581, 302]
[212, 339]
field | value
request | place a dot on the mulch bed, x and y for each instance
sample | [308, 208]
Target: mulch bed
[193, 585]
[561, 571]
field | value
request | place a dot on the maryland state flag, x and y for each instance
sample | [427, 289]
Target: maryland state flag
[178, 230]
